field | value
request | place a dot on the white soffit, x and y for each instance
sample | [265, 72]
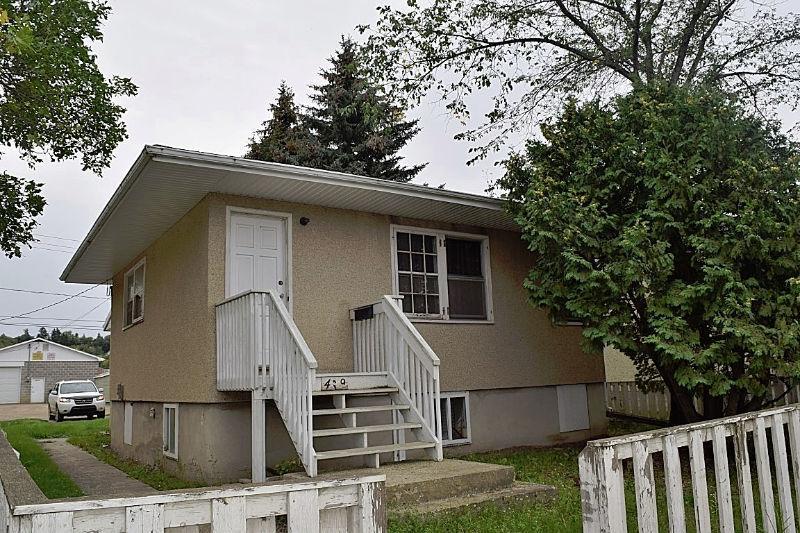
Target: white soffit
[165, 183]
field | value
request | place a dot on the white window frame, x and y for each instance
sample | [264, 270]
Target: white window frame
[172, 454]
[441, 256]
[447, 439]
[131, 273]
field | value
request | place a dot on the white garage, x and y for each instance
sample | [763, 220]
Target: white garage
[10, 383]
[29, 369]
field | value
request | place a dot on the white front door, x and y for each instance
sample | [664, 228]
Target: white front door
[257, 248]
[37, 390]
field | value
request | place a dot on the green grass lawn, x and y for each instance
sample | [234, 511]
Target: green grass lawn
[91, 435]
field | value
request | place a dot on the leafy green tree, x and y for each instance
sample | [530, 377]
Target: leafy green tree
[356, 126]
[43, 333]
[54, 102]
[283, 138]
[26, 336]
[668, 222]
[530, 56]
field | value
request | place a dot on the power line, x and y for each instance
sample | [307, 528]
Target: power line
[52, 293]
[55, 244]
[68, 319]
[41, 325]
[51, 249]
[84, 314]
[56, 237]
[48, 306]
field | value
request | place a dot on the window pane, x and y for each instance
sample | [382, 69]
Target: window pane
[443, 416]
[458, 412]
[431, 285]
[419, 304]
[403, 262]
[433, 305]
[467, 298]
[402, 241]
[430, 264]
[416, 242]
[128, 312]
[418, 284]
[430, 244]
[464, 258]
[404, 283]
[138, 276]
[418, 262]
[129, 286]
[137, 307]
[407, 308]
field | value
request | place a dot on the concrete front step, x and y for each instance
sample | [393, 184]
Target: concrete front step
[350, 380]
[517, 493]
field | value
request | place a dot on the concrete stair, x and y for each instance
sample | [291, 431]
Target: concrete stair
[355, 415]
[418, 487]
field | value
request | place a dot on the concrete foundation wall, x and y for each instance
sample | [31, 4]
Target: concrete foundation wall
[214, 439]
[53, 372]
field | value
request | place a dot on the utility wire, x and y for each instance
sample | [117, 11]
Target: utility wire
[55, 237]
[41, 325]
[84, 314]
[51, 249]
[52, 293]
[22, 315]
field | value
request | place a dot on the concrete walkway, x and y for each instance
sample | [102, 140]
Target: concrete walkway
[93, 476]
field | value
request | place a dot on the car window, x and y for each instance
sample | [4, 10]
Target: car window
[71, 388]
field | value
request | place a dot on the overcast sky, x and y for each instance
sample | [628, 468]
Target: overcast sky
[206, 72]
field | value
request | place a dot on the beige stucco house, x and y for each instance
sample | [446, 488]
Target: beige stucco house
[264, 312]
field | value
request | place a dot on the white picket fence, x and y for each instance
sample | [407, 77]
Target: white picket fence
[605, 463]
[625, 398]
[343, 505]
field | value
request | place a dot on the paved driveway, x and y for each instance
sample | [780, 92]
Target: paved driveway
[13, 411]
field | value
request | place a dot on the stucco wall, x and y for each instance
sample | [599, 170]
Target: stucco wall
[340, 260]
[171, 354]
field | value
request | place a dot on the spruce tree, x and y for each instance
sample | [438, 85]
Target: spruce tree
[357, 128]
[283, 138]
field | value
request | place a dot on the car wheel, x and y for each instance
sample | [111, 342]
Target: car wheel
[59, 417]
[102, 415]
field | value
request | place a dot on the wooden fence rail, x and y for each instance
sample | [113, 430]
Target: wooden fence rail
[721, 447]
[342, 505]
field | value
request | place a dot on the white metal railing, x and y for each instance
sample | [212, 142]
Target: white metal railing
[350, 505]
[260, 347]
[603, 467]
[384, 340]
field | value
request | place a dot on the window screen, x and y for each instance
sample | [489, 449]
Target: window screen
[134, 295]
[466, 285]
[455, 418]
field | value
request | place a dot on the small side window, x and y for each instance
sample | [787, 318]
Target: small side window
[455, 418]
[171, 430]
[134, 294]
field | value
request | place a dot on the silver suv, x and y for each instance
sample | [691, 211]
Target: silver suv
[76, 398]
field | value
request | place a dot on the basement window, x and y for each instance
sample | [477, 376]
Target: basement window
[455, 418]
[442, 275]
[134, 294]
[171, 430]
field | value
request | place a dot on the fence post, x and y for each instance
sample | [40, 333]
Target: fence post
[603, 499]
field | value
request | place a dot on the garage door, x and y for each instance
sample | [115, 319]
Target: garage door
[9, 385]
